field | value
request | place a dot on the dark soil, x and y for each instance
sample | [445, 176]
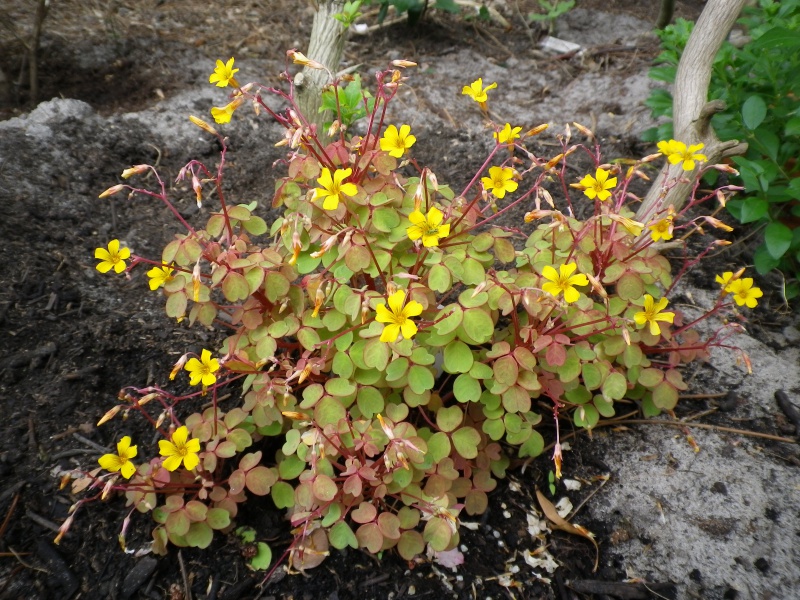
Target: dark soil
[71, 339]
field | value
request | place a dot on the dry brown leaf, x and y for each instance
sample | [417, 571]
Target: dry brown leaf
[560, 523]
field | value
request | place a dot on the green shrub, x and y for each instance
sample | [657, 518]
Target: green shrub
[760, 83]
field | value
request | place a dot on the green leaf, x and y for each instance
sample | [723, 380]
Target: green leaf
[283, 495]
[466, 441]
[478, 325]
[376, 354]
[370, 401]
[614, 387]
[337, 386]
[439, 279]
[410, 544]
[591, 376]
[777, 239]
[262, 559]
[630, 286]
[308, 337]
[199, 535]
[466, 388]
[260, 480]
[420, 379]
[218, 518]
[533, 446]
[450, 323]
[438, 445]
[341, 536]
[754, 111]
[754, 209]
[437, 533]
[457, 357]
[665, 396]
[763, 260]
[324, 488]
[586, 416]
[448, 418]
[778, 37]
[792, 127]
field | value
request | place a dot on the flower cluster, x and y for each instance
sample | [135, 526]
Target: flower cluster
[392, 337]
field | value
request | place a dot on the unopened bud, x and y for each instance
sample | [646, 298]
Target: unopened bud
[196, 282]
[725, 168]
[62, 531]
[536, 130]
[626, 335]
[553, 162]
[598, 289]
[296, 247]
[584, 130]
[651, 157]
[203, 125]
[296, 416]
[391, 288]
[403, 63]
[65, 479]
[114, 189]
[107, 488]
[717, 223]
[135, 170]
[160, 420]
[198, 190]
[721, 198]
[545, 195]
[722, 243]
[109, 415]
[178, 366]
[149, 397]
[319, 298]
[334, 128]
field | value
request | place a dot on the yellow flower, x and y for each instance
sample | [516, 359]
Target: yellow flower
[500, 181]
[180, 450]
[113, 257]
[397, 142]
[398, 317]
[652, 314]
[681, 154]
[507, 135]
[223, 74]
[725, 280]
[670, 147]
[598, 186]
[224, 114]
[160, 276]
[429, 227]
[661, 230]
[563, 280]
[202, 371]
[333, 188]
[477, 92]
[633, 227]
[121, 461]
[744, 293]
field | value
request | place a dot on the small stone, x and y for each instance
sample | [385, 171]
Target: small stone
[762, 564]
[792, 334]
[719, 488]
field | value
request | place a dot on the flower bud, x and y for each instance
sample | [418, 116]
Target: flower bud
[178, 366]
[135, 170]
[536, 130]
[725, 168]
[114, 189]
[584, 130]
[403, 63]
[553, 162]
[62, 531]
[198, 190]
[203, 125]
[109, 415]
[299, 58]
[717, 223]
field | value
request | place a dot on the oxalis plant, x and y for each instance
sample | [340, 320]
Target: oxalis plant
[390, 344]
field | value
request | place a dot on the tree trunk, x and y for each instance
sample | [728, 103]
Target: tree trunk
[691, 110]
[327, 47]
